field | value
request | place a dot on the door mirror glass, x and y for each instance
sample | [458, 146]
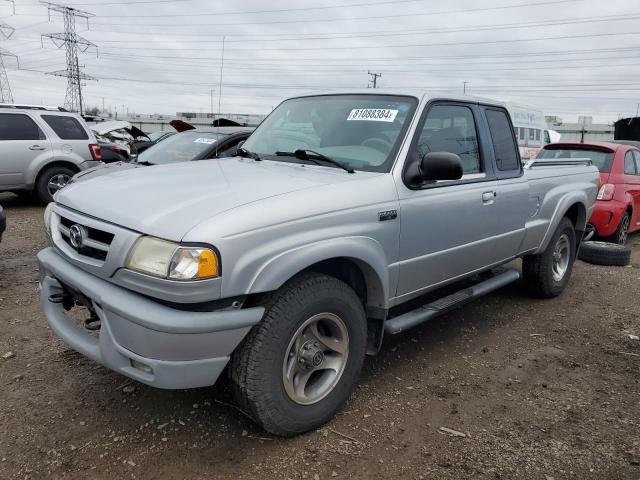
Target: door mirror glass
[440, 166]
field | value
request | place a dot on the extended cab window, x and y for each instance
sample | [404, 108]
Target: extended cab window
[629, 164]
[67, 128]
[15, 126]
[504, 145]
[451, 128]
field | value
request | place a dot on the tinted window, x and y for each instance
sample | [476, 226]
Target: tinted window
[547, 139]
[67, 128]
[181, 147]
[451, 128]
[19, 127]
[636, 155]
[629, 164]
[601, 159]
[504, 146]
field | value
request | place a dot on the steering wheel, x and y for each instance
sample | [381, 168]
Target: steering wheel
[378, 143]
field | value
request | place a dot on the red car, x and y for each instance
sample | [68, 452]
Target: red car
[617, 210]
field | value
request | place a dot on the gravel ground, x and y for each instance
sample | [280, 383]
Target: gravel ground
[535, 389]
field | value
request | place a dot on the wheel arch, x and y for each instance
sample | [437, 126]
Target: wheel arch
[574, 208]
[55, 163]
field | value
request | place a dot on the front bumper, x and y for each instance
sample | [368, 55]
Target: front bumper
[606, 216]
[140, 338]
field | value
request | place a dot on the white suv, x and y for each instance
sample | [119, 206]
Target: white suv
[41, 148]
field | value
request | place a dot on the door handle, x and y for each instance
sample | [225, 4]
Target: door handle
[37, 147]
[487, 197]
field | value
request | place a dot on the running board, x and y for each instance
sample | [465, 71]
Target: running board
[431, 310]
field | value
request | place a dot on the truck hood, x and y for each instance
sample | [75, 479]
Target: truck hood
[167, 201]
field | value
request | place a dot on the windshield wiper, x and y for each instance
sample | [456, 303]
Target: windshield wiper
[303, 154]
[247, 154]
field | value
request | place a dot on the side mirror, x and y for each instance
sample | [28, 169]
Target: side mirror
[436, 166]
[241, 143]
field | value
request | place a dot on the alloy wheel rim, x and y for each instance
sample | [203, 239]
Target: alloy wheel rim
[315, 358]
[624, 231]
[57, 182]
[561, 254]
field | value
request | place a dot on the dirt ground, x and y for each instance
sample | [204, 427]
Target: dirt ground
[540, 390]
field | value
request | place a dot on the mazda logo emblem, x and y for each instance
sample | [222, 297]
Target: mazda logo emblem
[77, 234]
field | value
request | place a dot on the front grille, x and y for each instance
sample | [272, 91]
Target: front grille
[95, 243]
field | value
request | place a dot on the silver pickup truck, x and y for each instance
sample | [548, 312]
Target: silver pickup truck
[287, 264]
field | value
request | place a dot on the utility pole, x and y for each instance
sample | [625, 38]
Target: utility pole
[221, 70]
[72, 42]
[211, 98]
[374, 78]
[464, 87]
[5, 89]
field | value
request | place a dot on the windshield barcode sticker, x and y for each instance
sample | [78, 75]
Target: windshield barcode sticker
[373, 114]
[208, 141]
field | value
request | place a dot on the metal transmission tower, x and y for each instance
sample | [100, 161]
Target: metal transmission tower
[5, 89]
[72, 43]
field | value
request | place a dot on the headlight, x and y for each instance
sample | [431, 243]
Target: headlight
[164, 259]
[47, 219]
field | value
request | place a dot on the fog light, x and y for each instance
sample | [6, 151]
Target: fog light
[141, 366]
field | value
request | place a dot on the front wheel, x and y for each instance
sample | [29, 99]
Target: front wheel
[298, 366]
[547, 274]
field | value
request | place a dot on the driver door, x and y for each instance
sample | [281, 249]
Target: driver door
[447, 226]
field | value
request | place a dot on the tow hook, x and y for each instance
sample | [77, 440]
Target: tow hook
[92, 323]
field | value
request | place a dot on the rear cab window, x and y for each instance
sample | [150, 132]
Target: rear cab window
[602, 158]
[65, 127]
[17, 126]
[505, 145]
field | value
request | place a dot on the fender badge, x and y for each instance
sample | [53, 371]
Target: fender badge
[387, 215]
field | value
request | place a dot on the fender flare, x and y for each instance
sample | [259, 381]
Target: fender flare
[562, 207]
[365, 252]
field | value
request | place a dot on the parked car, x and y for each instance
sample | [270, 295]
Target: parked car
[42, 148]
[617, 210]
[340, 215]
[153, 138]
[190, 145]
[3, 222]
[111, 152]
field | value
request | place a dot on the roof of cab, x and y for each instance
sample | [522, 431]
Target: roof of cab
[419, 94]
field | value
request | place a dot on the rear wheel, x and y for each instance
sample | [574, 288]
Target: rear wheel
[52, 180]
[298, 366]
[622, 232]
[547, 274]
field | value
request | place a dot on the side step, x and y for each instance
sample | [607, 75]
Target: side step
[431, 310]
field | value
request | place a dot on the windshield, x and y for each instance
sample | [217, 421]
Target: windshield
[181, 147]
[601, 159]
[361, 131]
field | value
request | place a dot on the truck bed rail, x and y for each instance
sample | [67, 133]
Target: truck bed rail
[541, 162]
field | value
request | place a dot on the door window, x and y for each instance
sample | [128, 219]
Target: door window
[230, 149]
[629, 164]
[67, 128]
[504, 145]
[451, 128]
[19, 127]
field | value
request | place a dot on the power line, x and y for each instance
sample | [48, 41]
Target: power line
[390, 33]
[341, 19]
[72, 42]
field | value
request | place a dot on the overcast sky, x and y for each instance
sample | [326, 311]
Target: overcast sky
[568, 57]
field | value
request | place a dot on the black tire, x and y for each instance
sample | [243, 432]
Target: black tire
[621, 233]
[605, 253]
[42, 190]
[538, 270]
[256, 367]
